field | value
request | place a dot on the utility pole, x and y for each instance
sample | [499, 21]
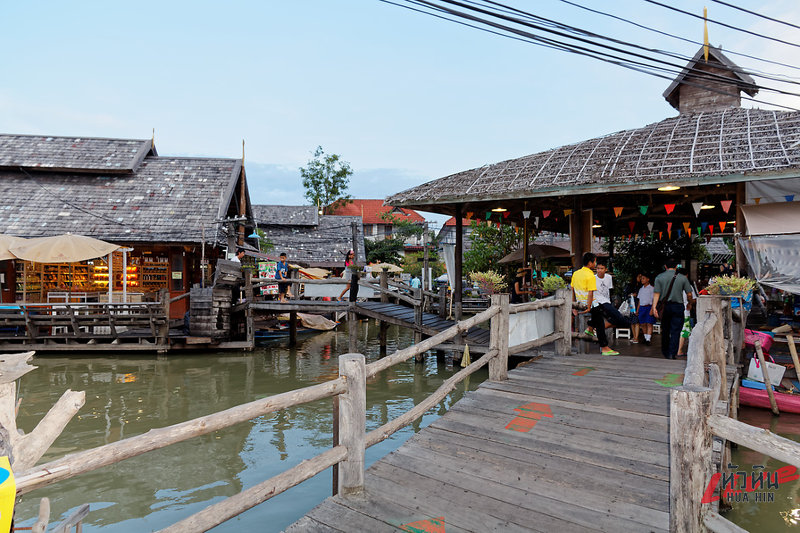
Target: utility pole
[354, 229]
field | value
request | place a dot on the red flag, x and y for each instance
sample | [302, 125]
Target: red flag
[669, 208]
[631, 224]
[726, 205]
[546, 213]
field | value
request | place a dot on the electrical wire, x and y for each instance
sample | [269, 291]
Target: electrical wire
[724, 25]
[779, 21]
[551, 43]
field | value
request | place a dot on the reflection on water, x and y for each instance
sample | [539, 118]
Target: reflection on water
[783, 513]
[128, 395]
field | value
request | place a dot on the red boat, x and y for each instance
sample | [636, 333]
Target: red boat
[789, 403]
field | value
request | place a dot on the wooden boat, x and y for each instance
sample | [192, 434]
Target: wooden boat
[789, 403]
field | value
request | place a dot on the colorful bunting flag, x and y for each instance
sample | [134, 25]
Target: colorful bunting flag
[536, 221]
[526, 214]
[488, 215]
[669, 208]
[757, 200]
[643, 209]
[722, 226]
[567, 212]
[660, 235]
[696, 206]
[631, 225]
[726, 205]
[469, 214]
[699, 232]
[650, 226]
[687, 226]
[711, 229]
[505, 215]
[617, 211]
[704, 225]
[789, 197]
[546, 213]
[669, 226]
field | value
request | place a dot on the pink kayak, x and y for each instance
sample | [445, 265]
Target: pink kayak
[789, 403]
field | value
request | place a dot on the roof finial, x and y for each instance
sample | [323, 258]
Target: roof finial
[242, 152]
[705, 34]
[153, 139]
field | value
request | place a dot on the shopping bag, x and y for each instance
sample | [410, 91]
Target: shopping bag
[624, 309]
[775, 371]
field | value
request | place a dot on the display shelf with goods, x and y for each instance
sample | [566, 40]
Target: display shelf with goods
[132, 269]
[29, 282]
[266, 270]
[154, 273]
[61, 276]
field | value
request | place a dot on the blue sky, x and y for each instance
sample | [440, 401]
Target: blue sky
[404, 97]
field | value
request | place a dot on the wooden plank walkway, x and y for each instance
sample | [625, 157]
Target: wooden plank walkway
[403, 315]
[577, 443]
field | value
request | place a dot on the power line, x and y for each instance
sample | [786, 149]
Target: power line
[654, 2]
[779, 21]
[580, 50]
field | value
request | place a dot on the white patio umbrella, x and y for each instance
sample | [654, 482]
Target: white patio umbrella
[7, 241]
[380, 266]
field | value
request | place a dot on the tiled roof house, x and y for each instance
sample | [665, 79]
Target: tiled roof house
[375, 227]
[122, 191]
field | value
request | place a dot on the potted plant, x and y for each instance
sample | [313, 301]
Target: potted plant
[552, 283]
[489, 282]
[733, 286]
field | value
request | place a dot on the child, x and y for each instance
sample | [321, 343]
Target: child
[646, 320]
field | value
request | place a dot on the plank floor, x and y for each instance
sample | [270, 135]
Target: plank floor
[577, 443]
[475, 335]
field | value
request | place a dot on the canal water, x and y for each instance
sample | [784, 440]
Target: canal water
[768, 509]
[127, 395]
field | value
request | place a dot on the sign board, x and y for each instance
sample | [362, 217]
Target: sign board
[266, 270]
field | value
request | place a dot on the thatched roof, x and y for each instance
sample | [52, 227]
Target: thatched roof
[41, 152]
[166, 199]
[716, 147]
[289, 215]
[322, 245]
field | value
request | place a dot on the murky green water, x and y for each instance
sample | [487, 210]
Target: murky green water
[127, 395]
[770, 510]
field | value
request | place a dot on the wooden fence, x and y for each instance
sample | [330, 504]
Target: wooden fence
[700, 410]
[348, 391]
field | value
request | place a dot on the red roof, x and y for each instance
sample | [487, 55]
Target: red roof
[370, 212]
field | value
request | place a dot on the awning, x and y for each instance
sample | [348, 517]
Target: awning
[775, 260]
[772, 219]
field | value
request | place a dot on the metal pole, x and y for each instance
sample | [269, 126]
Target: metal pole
[110, 276]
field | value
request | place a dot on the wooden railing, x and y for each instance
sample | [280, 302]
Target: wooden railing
[37, 323]
[699, 410]
[348, 391]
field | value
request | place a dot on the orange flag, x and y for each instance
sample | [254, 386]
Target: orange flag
[617, 211]
[722, 226]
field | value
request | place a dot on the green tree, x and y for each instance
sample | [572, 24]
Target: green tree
[648, 256]
[326, 179]
[383, 251]
[413, 263]
[489, 245]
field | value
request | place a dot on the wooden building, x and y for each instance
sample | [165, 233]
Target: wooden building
[686, 173]
[377, 226]
[168, 210]
[307, 237]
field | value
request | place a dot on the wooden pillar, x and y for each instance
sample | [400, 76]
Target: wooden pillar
[383, 328]
[292, 328]
[384, 285]
[352, 328]
[741, 227]
[426, 284]
[163, 334]
[576, 235]
[416, 294]
[498, 365]
[352, 423]
[690, 456]
[294, 275]
[248, 292]
[443, 302]
[457, 289]
[563, 322]
[525, 239]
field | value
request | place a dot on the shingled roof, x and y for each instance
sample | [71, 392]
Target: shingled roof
[716, 147]
[322, 245]
[166, 199]
[289, 215]
[81, 154]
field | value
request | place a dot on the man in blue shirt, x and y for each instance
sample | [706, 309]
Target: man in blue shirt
[282, 273]
[415, 283]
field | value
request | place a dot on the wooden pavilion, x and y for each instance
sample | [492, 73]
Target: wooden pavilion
[685, 174]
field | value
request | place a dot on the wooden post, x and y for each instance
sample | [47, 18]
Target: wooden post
[741, 199]
[163, 337]
[294, 275]
[457, 289]
[335, 476]
[352, 328]
[563, 321]
[690, 456]
[384, 285]
[498, 365]
[715, 349]
[416, 294]
[352, 423]
[292, 328]
[250, 328]
[765, 374]
[443, 301]
[383, 328]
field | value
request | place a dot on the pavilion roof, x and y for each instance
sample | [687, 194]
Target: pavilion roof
[726, 146]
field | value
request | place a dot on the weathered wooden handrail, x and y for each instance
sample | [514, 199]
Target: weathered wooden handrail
[216, 514]
[535, 306]
[385, 431]
[430, 342]
[85, 461]
[179, 298]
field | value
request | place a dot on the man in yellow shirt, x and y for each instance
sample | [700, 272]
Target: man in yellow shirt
[583, 286]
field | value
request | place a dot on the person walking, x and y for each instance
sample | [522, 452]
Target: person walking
[670, 286]
[349, 260]
[645, 296]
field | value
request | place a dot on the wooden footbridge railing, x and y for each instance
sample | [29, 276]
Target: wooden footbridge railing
[699, 411]
[509, 324]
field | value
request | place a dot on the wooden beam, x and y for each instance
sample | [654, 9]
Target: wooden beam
[352, 423]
